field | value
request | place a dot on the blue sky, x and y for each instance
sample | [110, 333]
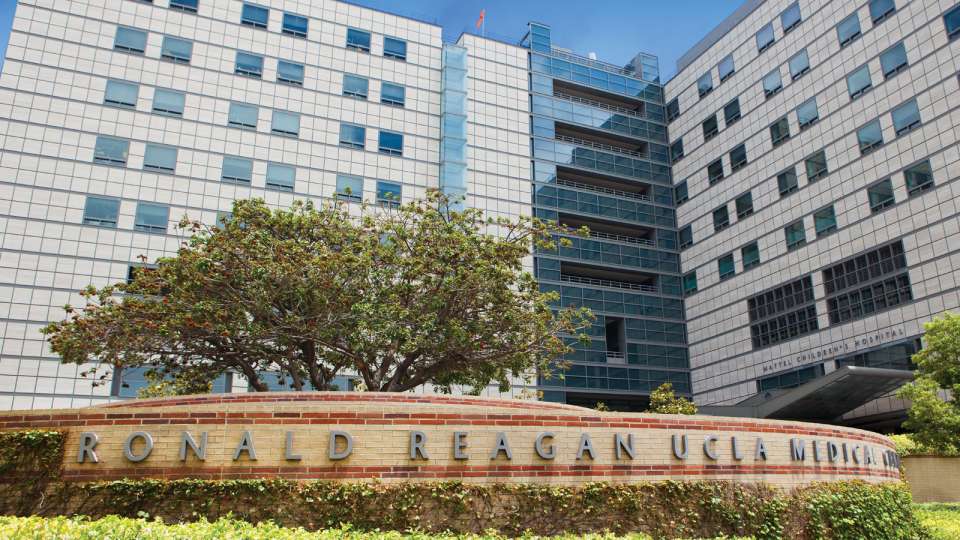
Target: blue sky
[614, 29]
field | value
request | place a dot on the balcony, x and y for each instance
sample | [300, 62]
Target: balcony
[598, 98]
[609, 231]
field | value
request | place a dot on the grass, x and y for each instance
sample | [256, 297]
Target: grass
[942, 519]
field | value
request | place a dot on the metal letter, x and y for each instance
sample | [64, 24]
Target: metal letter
[459, 444]
[585, 444]
[622, 446]
[737, 454]
[246, 445]
[761, 450]
[333, 453]
[88, 441]
[417, 440]
[708, 448]
[288, 449]
[833, 451]
[868, 457]
[816, 451]
[846, 457]
[502, 446]
[680, 454]
[128, 446]
[855, 453]
[187, 440]
[798, 446]
[538, 446]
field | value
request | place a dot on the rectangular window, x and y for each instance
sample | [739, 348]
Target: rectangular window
[242, 115]
[289, 72]
[710, 128]
[726, 68]
[790, 17]
[816, 165]
[391, 143]
[673, 109]
[676, 150]
[184, 5]
[738, 158]
[772, 83]
[686, 237]
[782, 313]
[101, 212]
[765, 38]
[168, 102]
[393, 94]
[295, 25]
[824, 221]
[780, 131]
[111, 151]
[790, 379]
[799, 64]
[918, 178]
[731, 112]
[715, 171]
[394, 48]
[881, 10]
[744, 205]
[952, 21]
[880, 195]
[151, 218]
[160, 158]
[864, 268]
[680, 194]
[859, 82]
[349, 187]
[355, 86]
[893, 60]
[285, 123]
[237, 170]
[705, 84]
[721, 219]
[176, 50]
[870, 137]
[848, 30]
[751, 255]
[248, 64]
[787, 182]
[689, 283]
[352, 136]
[130, 40]
[280, 177]
[795, 235]
[121, 94]
[873, 298]
[388, 193]
[725, 267]
[807, 113]
[906, 117]
[358, 39]
[255, 16]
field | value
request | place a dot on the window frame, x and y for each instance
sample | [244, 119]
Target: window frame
[166, 54]
[869, 146]
[189, 6]
[770, 92]
[389, 149]
[389, 202]
[677, 199]
[773, 38]
[816, 117]
[358, 46]
[395, 55]
[255, 22]
[674, 155]
[783, 137]
[890, 73]
[886, 202]
[826, 230]
[806, 67]
[852, 37]
[721, 263]
[903, 130]
[684, 282]
[125, 48]
[721, 218]
[238, 70]
[685, 231]
[748, 210]
[155, 168]
[737, 165]
[890, 12]
[121, 104]
[702, 90]
[797, 243]
[294, 31]
[727, 120]
[238, 180]
[349, 143]
[787, 173]
[720, 65]
[122, 144]
[350, 79]
[241, 125]
[952, 16]
[100, 221]
[284, 115]
[918, 188]
[287, 80]
[713, 179]
[148, 227]
[273, 167]
[180, 97]
[748, 264]
[854, 95]
[402, 102]
[783, 22]
[714, 131]
[341, 190]
[673, 105]
[820, 173]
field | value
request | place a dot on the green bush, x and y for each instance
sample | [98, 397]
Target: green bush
[941, 519]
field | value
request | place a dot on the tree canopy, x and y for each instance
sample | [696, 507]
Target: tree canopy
[664, 400]
[418, 295]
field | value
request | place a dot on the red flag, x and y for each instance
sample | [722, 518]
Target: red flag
[483, 13]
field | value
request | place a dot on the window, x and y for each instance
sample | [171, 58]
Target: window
[710, 128]
[918, 178]
[715, 171]
[790, 17]
[880, 10]
[868, 283]
[721, 219]
[686, 237]
[787, 182]
[893, 60]
[725, 266]
[160, 158]
[352, 136]
[676, 150]
[248, 64]
[673, 109]
[824, 221]
[151, 218]
[184, 5]
[731, 112]
[391, 143]
[705, 84]
[780, 131]
[111, 151]
[726, 67]
[880, 195]
[765, 38]
[393, 94]
[738, 158]
[168, 102]
[863, 302]
[952, 21]
[294, 25]
[816, 165]
[242, 115]
[864, 268]
[782, 313]
[790, 379]
[750, 254]
[772, 83]
[285, 123]
[394, 48]
[358, 39]
[906, 117]
[349, 187]
[355, 86]
[744, 205]
[795, 235]
[680, 194]
[237, 170]
[176, 50]
[859, 82]
[870, 137]
[130, 40]
[289, 72]
[101, 212]
[807, 113]
[689, 283]
[121, 94]
[848, 30]
[280, 176]
[388, 193]
[799, 64]
[255, 16]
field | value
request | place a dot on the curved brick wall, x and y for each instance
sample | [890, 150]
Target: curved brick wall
[385, 428]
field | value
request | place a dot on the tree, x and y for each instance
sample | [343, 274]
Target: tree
[663, 400]
[418, 295]
[934, 413]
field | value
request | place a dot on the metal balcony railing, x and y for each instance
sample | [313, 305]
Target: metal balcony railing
[605, 66]
[614, 357]
[598, 105]
[599, 146]
[622, 238]
[600, 189]
[608, 283]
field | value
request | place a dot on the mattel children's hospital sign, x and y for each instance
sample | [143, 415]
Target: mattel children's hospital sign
[355, 436]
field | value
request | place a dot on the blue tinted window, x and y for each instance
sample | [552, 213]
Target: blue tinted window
[825, 221]
[859, 82]
[725, 266]
[906, 117]
[101, 212]
[352, 136]
[168, 102]
[121, 94]
[248, 64]
[160, 158]
[795, 235]
[918, 178]
[286, 123]
[355, 86]
[395, 48]
[893, 60]
[807, 113]
[772, 83]
[765, 38]
[388, 193]
[358, 39]
[790, 17]
[280, 177]
[151, 218]
[952, 21]
[185, 5]
[848, 30]
[177, 50]
[391, 143]
[881, 10]
[255, 16]
[295, 25]
[726, 67]
[237, 170]
[705, 84]
[130, 40]
[111, 151]
[289, 72]
[242, 115]
[349, 187]
[799, 64]
[392, 94]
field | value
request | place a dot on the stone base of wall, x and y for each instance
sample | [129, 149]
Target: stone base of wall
[933, 478]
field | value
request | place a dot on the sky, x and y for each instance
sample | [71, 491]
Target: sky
[614, 29]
